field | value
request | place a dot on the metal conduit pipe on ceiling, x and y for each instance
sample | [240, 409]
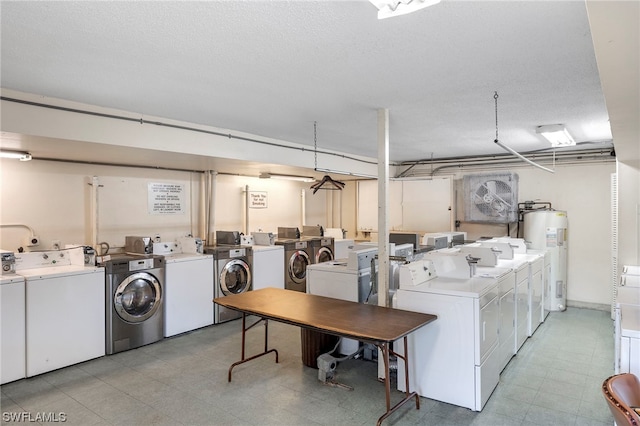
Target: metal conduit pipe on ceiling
[574, 157]
[175, 126]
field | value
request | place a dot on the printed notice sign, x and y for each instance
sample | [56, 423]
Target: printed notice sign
[258, 199]
[166, 198]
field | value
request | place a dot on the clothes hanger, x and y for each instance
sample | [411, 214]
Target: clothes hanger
[334, 185]
[331, 184]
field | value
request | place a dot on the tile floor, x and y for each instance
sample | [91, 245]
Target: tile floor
[554, 380]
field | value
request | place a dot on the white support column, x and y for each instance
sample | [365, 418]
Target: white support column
[383, 206]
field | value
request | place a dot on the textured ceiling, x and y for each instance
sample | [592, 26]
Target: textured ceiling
[272, 68]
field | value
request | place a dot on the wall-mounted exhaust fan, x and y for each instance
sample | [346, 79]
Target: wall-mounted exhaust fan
[491, 198]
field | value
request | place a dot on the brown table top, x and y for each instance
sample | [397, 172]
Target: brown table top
[333, 316]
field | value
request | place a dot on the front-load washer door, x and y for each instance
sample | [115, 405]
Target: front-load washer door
[235, 277]
[324, 255]
[137, 297]
[298, 263]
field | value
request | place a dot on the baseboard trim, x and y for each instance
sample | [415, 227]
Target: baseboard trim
[588, 305]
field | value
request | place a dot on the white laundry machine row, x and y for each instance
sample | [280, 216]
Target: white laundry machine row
[188, 289]
[64, 310]
[267, 266]
[12, 328]
[454, 360]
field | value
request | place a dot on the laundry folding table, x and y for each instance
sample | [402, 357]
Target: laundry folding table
[377, 325]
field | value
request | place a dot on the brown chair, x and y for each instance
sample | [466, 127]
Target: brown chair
[622, 393]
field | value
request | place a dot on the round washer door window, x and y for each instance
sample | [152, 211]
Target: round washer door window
[324, 255]
[137, 297]
[298, 263]
[235, 277]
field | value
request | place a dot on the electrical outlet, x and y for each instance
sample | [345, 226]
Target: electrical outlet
[56, 244]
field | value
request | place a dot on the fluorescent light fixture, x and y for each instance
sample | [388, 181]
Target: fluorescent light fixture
[390, 8]
[286, 177]
[557, 134]
[16, 155]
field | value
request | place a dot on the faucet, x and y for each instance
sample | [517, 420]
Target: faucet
[473, 263]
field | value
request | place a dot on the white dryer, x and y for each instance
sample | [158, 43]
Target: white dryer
[65, 310]
[454, 360]
[188, 289]
[12, 328]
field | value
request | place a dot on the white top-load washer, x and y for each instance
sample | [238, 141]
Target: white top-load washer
[188, 286]
[267, 266]
[65, 309]
[12, 322]
[454, 360]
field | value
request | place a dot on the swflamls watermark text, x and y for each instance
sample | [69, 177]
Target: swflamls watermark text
[26, 416]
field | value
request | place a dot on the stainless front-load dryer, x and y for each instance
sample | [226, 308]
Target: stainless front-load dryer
[232, 275]
[297, 256]
[134, 296]
[322, 249]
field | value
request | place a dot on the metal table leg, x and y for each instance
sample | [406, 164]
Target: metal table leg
[266, 340]
[384, 347]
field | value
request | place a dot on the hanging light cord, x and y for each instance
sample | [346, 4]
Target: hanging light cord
[495, 97]
[315, 145]
[514, 152]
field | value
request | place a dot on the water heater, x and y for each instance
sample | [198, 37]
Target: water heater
[547, 230]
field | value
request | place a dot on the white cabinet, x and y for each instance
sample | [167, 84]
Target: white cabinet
[414, 205]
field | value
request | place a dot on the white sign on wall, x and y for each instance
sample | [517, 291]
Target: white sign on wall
[258, 199]
[166, 198]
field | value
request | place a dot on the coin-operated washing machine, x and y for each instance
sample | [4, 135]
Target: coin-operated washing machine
[233, 275]
[134, 298]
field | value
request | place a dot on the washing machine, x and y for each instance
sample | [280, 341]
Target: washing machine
[322, 249]
[12, 322]
[64, 309]
[232, 275]
[134, 299]
[297, 256]
[188, 289]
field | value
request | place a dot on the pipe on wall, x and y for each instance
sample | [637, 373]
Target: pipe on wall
[245, 221]
[303, 211]
[93, 213]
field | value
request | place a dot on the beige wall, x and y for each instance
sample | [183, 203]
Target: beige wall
[54, 199]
